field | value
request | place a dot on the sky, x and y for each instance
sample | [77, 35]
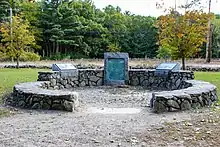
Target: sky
[148, 7]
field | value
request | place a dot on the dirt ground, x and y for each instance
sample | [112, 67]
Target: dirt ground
[110, 117]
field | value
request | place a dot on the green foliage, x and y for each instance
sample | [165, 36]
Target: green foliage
[17, 38]
[216, 38]
[184, 34]
[32, 12]
[29, 56]
[113, 48]
[77, 27]
[164, 52]
[4, 57]
[4, 10]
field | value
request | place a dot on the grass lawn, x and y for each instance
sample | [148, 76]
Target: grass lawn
[9, 77]
[212, 77]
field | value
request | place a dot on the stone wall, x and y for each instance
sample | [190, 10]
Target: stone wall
[183, 92]
[148, 78]
[82, 77]
[198, 94]
[95, 77]
[31, 95]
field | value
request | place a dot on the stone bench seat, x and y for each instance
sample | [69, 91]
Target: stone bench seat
[199, 94]
[31, 95]
[181, 92]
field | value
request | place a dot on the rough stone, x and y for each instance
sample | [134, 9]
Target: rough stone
[194, 96]
[173, 104]
[58, 107]
[32, 95]
[36, 106]
[185, 105]
[68, 106]
[21, 103]
[159, 107]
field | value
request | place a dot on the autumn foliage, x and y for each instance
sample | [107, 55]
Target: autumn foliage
[182, 35]
[17, 38]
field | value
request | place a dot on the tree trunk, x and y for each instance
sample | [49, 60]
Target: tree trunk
[43, 53]
[183, 63]
[208, 43]
[17, 61]
[183, 58]
[57, 48]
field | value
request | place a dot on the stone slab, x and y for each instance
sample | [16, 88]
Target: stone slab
[116, 68]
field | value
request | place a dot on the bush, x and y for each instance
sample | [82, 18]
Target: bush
[4, 57]
[29, 56]
[163, 53]
[113, 48]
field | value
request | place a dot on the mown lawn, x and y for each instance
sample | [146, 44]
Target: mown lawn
[9, 77]
[212, 77]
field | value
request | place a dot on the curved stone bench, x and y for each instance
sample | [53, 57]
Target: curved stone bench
[198, 94]
[31, 95]
[184, 92]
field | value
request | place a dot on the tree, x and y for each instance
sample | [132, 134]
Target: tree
[20, 40]
[183, 34]
[31, 11]
[4, 7]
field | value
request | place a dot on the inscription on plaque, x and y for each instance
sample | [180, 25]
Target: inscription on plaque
[116, 69]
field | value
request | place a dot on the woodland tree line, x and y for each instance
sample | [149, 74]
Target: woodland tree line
[77, 29]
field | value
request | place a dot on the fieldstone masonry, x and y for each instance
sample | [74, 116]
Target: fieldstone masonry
[32, 95]
[148, 79]
[137, 77]
[183, 92]
[83, 77]
[197, 94]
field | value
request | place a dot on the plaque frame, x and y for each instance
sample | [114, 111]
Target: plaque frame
[115, 55]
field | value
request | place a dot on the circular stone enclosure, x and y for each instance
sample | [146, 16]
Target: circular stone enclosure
[178, 90]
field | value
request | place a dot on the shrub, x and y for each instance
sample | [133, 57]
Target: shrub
[113, 48]
[30, 56]
[163, 53]
[4, 57]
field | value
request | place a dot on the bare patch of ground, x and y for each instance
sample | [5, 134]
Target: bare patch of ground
[90, 129]
[203, 130]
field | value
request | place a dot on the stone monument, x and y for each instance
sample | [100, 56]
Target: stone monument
[116, 68]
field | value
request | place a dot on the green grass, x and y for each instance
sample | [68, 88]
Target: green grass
[212, 77]
[10, 77]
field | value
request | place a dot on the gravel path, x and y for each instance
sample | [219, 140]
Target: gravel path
[98, 122]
